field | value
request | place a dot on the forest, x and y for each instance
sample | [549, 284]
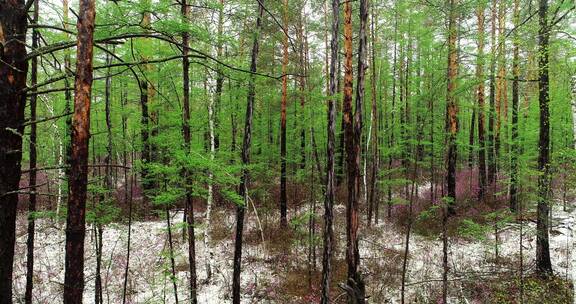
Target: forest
[287, 151]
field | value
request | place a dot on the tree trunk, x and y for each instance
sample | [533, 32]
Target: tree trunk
[501, 107]
[185, 11]
[515, 96]
[127, 198]
[32, 166]
[219, 76]
[353, 137]
[543, 262]
[471, 139]
[283, 198]
[147, 118]
[13, 70]
[452, 125]
[210, 198]
[452, 108]
[173, 277]
[491, 117]
[480, 98]
[330, 178]
[302, 83]
[246, 143]
[392, 116]
[375, 126]
[76, 221]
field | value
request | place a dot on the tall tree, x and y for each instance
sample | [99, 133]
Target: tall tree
[13, 73]
[32, 174]
[76, 219]
[480, 102]
[490, 149]
[246, 143]
[543, 262]
[374, 119]
[353, 138]
[515, 96]
[452, 107]
[185, 11]
[283, 197]
[330, 178]
[452, 126]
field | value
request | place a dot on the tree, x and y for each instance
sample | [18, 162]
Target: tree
[330, 178]
[353, 137]
[452, 126]
[283, 197]
[76, 219]
[515, 151]
[13, 73]
[246, 143]
[185, 11]
[480, 103]
[32, 176]
[543, 262]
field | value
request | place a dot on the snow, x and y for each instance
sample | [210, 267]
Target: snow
[148, 282]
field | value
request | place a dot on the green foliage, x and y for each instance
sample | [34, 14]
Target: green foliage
[472, 230]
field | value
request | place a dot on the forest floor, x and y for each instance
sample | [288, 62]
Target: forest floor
[278, 271]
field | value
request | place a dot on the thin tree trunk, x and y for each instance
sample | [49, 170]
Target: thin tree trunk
[185, 11]
[246, 143]
[210, 198]
[515, 98]
[471, 139]
[32, 166]
[480, 99]
[302, 82]
[374, 126]
[409, 228]
[283, 198]
[330, 178]
[173, 277]
[452, 125]
[392, 111]
[76, 221]
[127, 198]
[543, 262]
[219, 76]
[452, 108]
[491, 117]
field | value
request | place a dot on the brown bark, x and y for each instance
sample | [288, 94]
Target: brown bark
[330, 178]
[32, 174]
[13, 70]
[480, 100]
[185, 11]
[500, 102]
[76, 222]
[471, 139]
[147, 120]
[353, 137]
[543, 262]
[246, 143]
[452, 125]
[490, 148]
[452, 108]
[283, 197]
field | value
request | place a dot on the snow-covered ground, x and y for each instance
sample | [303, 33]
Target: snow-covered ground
[149, 283]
